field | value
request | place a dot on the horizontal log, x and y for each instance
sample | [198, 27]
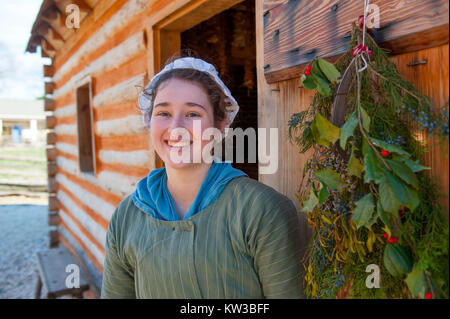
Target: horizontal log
[52, 203]
[50, 122]
[51, 154]
[54, 238]
[51, 138]
[297, 31]
[52, 185]
[49, 104]
[49, 87]
[49, 71]
[52, 169]
[53, 219]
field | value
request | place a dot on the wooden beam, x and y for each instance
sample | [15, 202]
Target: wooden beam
[49, 87]
[51, 138]
[49, 104]
[50, 122]
[51, 154]
[52, 185]
[297, 31]
[52, 203]
[52, 168]
[53, 219]
[54, 239]
[49, 71]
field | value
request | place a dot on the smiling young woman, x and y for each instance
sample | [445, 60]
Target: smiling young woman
[199, 229]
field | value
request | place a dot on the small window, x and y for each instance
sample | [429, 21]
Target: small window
[86, 149]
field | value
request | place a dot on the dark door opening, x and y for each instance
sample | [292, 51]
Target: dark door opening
[227, 40]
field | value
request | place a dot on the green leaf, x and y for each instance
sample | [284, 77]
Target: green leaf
[404, 172]
[347, 129]
[404, 194]
[310, 202]
[372, 168]
[388, 200]
[322, 85]
[323, 131]
[383, 216]
[309, 83]
[365, 119]
[363, 212]
[354, 166]
[413, 165]
[389, 147]
[323, 194]
[328, 69]
[416, 282]
[330, 178]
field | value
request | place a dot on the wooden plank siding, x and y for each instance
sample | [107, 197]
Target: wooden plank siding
[116, 65]
[432, 79]
[297, 31]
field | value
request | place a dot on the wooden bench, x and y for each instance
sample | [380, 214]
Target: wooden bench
[52, 265]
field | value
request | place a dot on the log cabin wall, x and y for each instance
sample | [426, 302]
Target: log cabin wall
[121, 44]
[109, 53]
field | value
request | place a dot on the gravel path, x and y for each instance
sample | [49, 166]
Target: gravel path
[24, 230]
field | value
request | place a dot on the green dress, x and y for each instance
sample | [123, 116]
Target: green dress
[245, 244]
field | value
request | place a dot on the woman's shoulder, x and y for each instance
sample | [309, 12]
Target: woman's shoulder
[255, 193]
[125, 211]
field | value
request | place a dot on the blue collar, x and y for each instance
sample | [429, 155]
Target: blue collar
[153, 197]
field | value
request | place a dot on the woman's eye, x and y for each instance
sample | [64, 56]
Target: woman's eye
[163, 114]
[192, 114]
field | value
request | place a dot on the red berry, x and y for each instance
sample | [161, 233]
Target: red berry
[384, 153]
[308, 68]
[386, 235]
[307, 72]
[394, 240]
[405, 208]
[390, 240]
[428, 295]
[402, 213]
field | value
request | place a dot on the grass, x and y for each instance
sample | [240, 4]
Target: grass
[32, 153]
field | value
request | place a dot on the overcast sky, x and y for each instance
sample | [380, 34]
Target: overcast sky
[20, 73]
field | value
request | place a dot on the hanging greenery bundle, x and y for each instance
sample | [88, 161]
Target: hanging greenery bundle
[366, 195]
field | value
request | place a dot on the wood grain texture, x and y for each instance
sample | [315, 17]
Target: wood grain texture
[431, 79]
[296, 31]
[276, 103]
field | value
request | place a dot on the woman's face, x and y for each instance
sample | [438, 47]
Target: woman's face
[178, 103]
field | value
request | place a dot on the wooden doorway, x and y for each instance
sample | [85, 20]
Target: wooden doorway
[222, 33]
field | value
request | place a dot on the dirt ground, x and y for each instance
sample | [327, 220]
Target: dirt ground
[24, 230]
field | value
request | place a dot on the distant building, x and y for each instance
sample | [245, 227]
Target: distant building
[22, 121]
